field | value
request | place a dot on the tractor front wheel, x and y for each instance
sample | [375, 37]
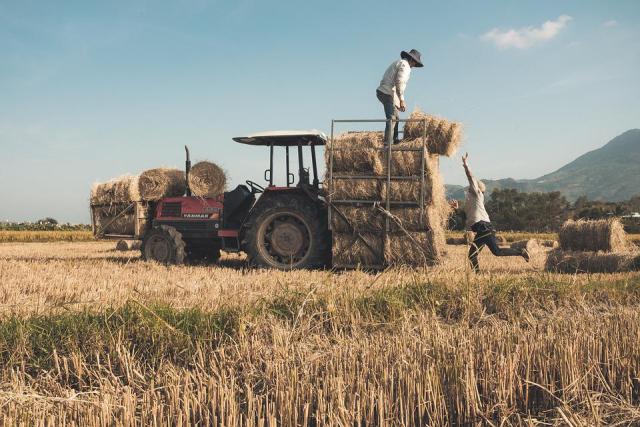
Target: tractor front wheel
[164, 245]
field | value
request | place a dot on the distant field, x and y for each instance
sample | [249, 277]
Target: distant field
[92, 336]
[45, 236]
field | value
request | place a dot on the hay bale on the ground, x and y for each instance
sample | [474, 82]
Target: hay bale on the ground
[443, 136]
[355, 152]
[116, 190]
[206, 179]
[561, 261]
[352, 250]
[531, 245]
[154, 184]
[128, 245]
[601, 235]
[356, 189]
[414, 248]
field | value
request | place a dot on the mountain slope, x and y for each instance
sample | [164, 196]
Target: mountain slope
[610, 173]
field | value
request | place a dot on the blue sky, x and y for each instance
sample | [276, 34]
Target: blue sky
[92, 90]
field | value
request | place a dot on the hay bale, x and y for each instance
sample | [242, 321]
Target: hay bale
[561, 261]
[414, 248]
[531, 245]
[206, 179]
[601, 235]
[355, 152]
[107, 220]
[406, 159]
[443, 136]
[351, 250]
[553, 244]
[114, 191]
[371, 219]
[356, 189]
[154, 184]
[128, 245]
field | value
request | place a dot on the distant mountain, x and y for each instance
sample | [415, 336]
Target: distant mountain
[610, 173]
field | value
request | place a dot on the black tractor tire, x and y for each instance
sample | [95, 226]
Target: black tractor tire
[163, 244]
[288, 232]
[201, 255]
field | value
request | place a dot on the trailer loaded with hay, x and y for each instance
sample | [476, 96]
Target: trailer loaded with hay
[387, 202]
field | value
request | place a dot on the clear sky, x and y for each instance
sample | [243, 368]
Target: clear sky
[90, 90]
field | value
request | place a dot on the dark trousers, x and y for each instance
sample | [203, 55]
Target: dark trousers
[486, 236]
[390, 113]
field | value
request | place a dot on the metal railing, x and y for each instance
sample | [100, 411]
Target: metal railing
[388, 177]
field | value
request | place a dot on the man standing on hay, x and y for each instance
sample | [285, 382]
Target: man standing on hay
[478, 221]
[391, 91]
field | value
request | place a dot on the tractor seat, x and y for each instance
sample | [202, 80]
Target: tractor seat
[237, 204]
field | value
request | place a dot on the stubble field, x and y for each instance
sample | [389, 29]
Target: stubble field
[92, 336]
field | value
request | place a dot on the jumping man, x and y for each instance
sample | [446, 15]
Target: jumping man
[391, 91]
[478, 221]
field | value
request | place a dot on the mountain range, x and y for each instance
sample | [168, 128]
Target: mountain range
[609, 173]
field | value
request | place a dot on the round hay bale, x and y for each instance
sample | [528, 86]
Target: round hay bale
[114, 191]
[128, 245]
[155, 184]
[206, 179]
[600, 235]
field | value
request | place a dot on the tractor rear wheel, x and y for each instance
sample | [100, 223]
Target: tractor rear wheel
[164, 245]
[288, 233]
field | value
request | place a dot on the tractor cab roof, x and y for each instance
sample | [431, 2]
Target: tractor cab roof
[284, 138]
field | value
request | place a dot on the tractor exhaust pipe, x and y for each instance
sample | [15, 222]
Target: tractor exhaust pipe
[187, 167]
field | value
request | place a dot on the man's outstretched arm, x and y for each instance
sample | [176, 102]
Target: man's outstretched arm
[472, 181]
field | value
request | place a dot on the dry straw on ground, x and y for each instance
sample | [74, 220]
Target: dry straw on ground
[206, 179]
[443, 137]
[561, 261]
[601, 235]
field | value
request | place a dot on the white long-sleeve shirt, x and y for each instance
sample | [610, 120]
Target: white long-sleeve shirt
[474, 204]
[395, 80]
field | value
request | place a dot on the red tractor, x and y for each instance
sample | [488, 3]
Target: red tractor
[277, 227]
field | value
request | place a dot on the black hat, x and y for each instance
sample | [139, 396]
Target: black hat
[413, 54]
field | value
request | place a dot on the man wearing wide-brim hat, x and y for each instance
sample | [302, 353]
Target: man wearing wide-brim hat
[391, 91]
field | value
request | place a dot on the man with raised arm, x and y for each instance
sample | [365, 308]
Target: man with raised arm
[478, 221]
[391, 91]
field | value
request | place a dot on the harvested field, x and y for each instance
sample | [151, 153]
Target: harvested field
[220, 346]
[45, 236]
[601, 235]
[443, 137]
[206, 179]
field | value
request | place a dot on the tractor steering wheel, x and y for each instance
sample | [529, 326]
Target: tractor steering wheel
[255, 188]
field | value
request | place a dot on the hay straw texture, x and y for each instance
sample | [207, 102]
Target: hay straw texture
[415, 248]
[371, 219]
[206, 179]
[601, 235]
[106, 221]
[350, 250]
[406, 159]
[116, 190]
[154, 184]
[356, 189]
[128, 245]
[531, 245]
[443, 136]
[355, 152]
[571, 262]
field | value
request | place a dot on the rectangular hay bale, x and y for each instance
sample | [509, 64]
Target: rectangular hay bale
[372, 219]
[355, 152]
[572, 262]
[356, 189]
[415, 248]
[600, 235]
[351, 250]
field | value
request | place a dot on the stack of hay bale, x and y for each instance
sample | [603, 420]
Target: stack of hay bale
[121, 206]
[418, 216]
[599, 246]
